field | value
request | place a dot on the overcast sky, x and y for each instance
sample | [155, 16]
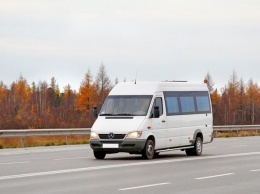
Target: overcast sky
[160, 40]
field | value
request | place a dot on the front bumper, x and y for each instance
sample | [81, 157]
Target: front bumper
[126, 145]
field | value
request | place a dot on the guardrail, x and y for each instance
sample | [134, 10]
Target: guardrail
[237, 128]
[21, 133]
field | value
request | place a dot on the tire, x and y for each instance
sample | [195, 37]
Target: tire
[156, 154]
[197, 150]
[148, 151]
[99, 154]
[190, 152]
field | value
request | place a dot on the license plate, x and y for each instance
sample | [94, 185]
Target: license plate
[110, 145]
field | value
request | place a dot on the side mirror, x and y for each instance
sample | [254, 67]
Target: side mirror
[156, 112]
[95, 111]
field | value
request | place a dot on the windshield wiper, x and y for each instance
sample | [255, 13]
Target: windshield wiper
[124, 114]
[107, 114]
[120, 114]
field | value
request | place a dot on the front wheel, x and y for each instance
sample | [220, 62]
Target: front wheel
[197, 150]
[148, 152]
[99, 154]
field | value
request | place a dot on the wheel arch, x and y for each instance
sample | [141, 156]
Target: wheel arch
[197, 133]
[150, 136]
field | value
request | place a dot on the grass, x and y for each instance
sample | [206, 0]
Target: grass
[43, 141]
[236, 134]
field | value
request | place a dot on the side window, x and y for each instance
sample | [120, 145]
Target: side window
[172, 105]
[187, 104]
[203, 103]
[158, 102]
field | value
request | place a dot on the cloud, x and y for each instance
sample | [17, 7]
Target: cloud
[128, 36]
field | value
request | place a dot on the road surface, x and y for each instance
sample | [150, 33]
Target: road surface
[228, 165]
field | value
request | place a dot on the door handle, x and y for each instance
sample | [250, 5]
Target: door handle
[163, 121]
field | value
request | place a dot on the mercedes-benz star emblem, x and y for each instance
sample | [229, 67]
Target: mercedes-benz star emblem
[111, 135]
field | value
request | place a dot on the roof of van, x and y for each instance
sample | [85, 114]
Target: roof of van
[149, 88]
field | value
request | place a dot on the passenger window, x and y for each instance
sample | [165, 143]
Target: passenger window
[187, 104]
[172, 105]
[158, 102]
[203, 103]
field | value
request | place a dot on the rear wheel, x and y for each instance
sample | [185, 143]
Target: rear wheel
[197, 150]
[99, 154]
[148, 152]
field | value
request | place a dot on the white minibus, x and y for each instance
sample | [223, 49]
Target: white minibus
[147, 118]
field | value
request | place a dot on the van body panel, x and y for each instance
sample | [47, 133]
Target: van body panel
[173, 131]
[120, 125]
[189, 124]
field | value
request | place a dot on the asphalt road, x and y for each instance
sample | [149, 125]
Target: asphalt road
[228, 165]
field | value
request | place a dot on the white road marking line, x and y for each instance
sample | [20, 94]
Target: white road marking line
[125, 165]
[144, 186]
[257, 170]
[239, 146]
[21, 151]
[71, 158]
[215, 176]
[9, 163]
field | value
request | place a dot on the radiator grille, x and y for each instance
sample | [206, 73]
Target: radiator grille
[116, 136]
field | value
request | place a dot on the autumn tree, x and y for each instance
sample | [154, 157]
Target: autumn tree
[87, 96]
[223, 106]
[103, 84]
[215, 101]
[242, 103]
[21, 97]
[86, 99]
[3, 105]
[252, 100]
[69, 97]
[215, 98]
[233, 98]
[210, 83]
[2, 93]
[53, 92]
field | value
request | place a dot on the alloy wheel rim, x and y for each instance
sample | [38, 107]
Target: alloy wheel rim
[150, 150]
[199, 146]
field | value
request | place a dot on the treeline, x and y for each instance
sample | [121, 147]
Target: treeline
[237, 103]
[24, 106]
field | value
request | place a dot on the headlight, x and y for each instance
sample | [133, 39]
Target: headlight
[135, 134]
[94, 135]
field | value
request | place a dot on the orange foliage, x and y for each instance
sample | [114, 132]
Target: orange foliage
[215, 98]
[87, 96]
[2, 92]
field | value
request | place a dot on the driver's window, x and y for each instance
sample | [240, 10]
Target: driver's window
[158, 102]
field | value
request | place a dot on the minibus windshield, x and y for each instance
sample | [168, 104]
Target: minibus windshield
[126, 105]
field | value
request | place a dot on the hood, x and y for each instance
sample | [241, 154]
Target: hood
[117, 125]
